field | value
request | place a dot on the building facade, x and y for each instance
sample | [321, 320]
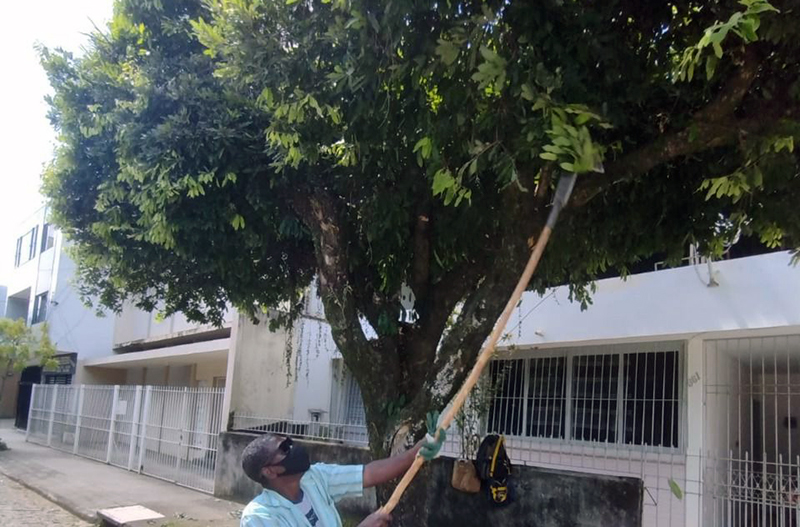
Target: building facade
[41, 289]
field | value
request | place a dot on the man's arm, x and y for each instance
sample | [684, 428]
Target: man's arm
[383, 470]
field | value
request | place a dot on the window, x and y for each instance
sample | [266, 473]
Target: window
[32, 246]
[39, 308]
[18, 253]
[26, 247]
[348, 406]
[624, 398]
[48, 237]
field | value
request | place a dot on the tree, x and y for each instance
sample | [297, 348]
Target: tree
[21, 345]
[234, 149]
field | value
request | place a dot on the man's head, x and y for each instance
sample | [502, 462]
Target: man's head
[270, 457]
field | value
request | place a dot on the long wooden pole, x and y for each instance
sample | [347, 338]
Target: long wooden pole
[565, 185]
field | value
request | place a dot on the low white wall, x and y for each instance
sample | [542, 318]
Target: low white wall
[755, 292]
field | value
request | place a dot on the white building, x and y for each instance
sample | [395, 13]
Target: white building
[3, 296]
[41, 289]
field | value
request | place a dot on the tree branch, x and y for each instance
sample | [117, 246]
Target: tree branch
[319, 213]
[421, 264]
[711, 127]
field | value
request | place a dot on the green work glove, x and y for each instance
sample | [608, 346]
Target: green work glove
[431, 446]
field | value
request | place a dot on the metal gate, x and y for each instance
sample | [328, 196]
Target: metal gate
[169, 433]
[752, 408]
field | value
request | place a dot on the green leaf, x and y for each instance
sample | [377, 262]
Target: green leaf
[711, 66]
[424, 147]
[447, 51]
[540, 104]
[237, 222]
[675, 488]
[527, 93]
[784, 143]
[569, 167]
[717, 51]
[442, 180]
[548, 156]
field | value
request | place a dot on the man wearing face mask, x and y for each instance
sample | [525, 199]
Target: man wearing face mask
[299, 494]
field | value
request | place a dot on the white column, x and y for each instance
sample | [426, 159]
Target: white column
[230, 373]
[143, 436]
[182, 421]
[695, 428]
[112, 423]
[30, 411]
[78, 420]
[52, 415]
[134, 426]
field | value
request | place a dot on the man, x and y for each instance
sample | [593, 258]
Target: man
[298, 494]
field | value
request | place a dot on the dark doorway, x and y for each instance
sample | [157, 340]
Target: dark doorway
[30, 376]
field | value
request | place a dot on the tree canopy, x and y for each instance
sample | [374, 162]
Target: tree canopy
[231, 150]
[20, 346]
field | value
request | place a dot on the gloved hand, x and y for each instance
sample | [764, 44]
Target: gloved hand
[431, 446]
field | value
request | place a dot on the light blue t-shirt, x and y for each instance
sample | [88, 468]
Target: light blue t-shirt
[323, 484]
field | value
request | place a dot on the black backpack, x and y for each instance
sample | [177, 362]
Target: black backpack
[494, 469]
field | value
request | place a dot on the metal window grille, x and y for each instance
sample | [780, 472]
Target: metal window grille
[168, 433]
[651, 399]
[620, 398]
[546, 401]
[595, 379]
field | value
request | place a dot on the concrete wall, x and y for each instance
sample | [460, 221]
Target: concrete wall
[75, 328]
[544, 497]
[206, 372]
[134, 325]
[3, 297]
[755, 292]
[17, 307]
[258, 372]
[231, 483]
[98, 375]
[314, 368]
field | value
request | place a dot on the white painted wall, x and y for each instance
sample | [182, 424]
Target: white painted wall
[24, 276]
[258, 374]
[205, 372]
[134, 324]
[314, 369]
[3, 294]
[755, 292]
[75, 328]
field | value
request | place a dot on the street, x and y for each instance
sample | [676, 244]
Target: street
[20, 506]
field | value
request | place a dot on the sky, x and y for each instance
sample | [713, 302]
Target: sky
[26, 137]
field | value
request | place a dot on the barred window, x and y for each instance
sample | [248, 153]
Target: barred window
[628, 398]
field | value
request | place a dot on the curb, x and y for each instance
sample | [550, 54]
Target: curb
[91, 518]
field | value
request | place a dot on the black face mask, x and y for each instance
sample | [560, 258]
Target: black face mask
[296, 461]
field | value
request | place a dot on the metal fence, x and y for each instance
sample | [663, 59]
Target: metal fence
[165, 432]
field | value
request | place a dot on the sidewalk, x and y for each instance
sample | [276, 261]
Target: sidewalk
[83, 486]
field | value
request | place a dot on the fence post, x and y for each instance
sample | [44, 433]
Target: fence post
[78, 420]
[30, 412]
[52, 415]
[182, 429]
[143, 439]
[137, 400]
[111, 425]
